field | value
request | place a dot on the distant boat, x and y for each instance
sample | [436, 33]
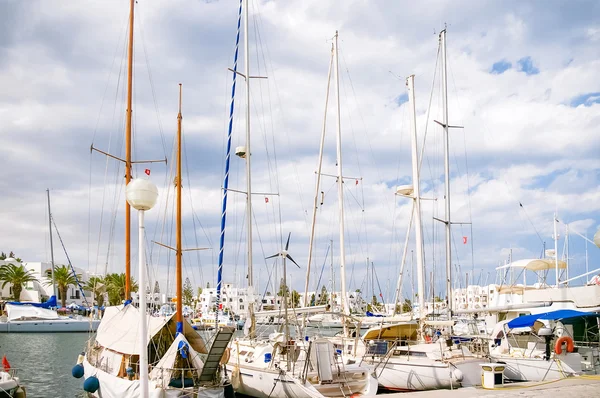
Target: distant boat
[27, 318]
[10, 386]
[41, 317]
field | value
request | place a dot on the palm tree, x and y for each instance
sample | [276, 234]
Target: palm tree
[97, 285]
[116, 288]
[63, 277]
[18, 276]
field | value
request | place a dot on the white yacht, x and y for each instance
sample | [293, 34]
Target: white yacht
[24, 318]
[401, 363]
[305, 368]
[532, 346]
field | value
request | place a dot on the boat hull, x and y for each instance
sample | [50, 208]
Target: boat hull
[49, 326]
[398, 375]
[264, 383]
[538, 369]
[115, 387]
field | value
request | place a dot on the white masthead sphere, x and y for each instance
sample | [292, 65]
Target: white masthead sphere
[597, 238]
[141, 194]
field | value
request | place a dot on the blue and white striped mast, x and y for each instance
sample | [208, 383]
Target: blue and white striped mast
[226, 177]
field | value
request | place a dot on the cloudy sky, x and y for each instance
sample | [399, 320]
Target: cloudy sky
[522, 80]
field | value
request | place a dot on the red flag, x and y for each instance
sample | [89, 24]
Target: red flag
[380, 295]
[5, 364]
[221, 306]
[356, 182]
[147, 171]
[464, 240]
[266, 200]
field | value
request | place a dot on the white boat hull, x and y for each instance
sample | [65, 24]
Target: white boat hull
[8, 384]
[50, 326]
[538, 369]
[116, 387]
[260, 382]
[399, 375]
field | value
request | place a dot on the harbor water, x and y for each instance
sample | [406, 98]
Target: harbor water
[44, 362]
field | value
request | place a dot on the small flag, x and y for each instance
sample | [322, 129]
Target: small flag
[5, 364]
[464, 240]
[380, 295]
[356, 182]
[266, 200]
[221, 306]
[147, 171]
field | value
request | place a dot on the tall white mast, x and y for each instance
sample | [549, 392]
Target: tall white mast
[567, 248]
[248, 173]
[556, 249]
[410, 83]
[318, 184]
[52, 246]
[340, 184]
[447, 174]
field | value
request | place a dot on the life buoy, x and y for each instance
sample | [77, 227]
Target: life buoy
[559, 343]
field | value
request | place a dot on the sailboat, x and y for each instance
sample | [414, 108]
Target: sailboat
[113, 363]
[42, 317]
[174, 349]
[281, 366]
[404, 354]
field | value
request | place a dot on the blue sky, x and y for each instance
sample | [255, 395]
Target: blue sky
[523, 81]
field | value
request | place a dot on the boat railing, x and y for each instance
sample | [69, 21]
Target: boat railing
[186, 377]
[12, 372]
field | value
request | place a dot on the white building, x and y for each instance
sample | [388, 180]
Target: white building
[42, 289]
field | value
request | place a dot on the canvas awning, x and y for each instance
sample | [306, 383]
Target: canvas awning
[23, 312]
[560, 315]
[537, 264]
[403, 330]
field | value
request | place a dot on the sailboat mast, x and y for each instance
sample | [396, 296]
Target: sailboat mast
[555, 221]
[178, 251]
[128, 154]
[340, 184]
[318, 184]
[52, 247]
[447, 175]
[248, 172]
[410, 83]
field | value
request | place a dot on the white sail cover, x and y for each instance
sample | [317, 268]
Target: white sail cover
[24, 312]
[120, 328]
[161, 373]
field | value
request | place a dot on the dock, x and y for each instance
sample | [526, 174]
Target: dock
[573, 387]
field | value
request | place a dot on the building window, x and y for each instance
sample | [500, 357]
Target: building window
[241, 307]
[241, 301]
[77, 294]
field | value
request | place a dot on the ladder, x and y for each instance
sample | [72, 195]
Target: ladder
[217, 349]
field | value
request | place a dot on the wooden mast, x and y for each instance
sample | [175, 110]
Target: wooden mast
[128, 156]
[178, 249]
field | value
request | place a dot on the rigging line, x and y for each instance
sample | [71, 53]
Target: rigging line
[198, 258]
[189, 190]
[322, 269]
[101, 222]
[274, 80]
[69, 260]
[378, 284]
[151, 80]
[121, 36]
[529, 219]
[277, 189]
